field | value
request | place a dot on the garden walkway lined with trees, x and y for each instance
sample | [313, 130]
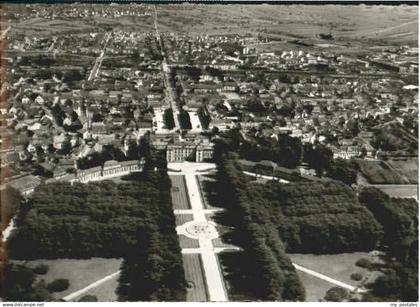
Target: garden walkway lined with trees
[201, 229]
[206, 250]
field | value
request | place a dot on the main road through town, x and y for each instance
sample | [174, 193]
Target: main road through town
[166, 69]
[4, 33]
[98, 61]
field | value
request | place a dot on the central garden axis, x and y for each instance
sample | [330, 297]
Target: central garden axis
[200, 228]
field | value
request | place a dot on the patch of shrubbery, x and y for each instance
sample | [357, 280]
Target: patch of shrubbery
[356, 276]
[58, 285]
[364, 263]
[41, 269]
[20, 285]
[399, 219]
[336, 294]
[88, 298]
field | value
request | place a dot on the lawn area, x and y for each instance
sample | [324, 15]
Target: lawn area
[338, 266]
[181, 219]
[179, 192]
[80, 274]
[185, 242]
[407, 168]
[40, 25]
[104, 292]
[196, 291]
[401, 191]
[380, 172]
[315, 288]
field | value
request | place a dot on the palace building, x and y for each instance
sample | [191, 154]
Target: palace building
[187, 151]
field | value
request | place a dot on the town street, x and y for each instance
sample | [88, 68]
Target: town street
[4, 33]
[95, 69]
[169, 91]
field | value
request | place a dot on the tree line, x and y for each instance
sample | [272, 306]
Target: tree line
[267, 273]
[168, 119]
[272, 219]
[399, 219]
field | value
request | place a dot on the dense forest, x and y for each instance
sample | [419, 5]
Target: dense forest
[21, 285]
[157, 275]
[399, 218]
[263, 270]
[272, 218]
[314, 217]
[309, 217]
[133, 220]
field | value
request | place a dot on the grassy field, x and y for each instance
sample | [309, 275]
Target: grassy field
[315, 288]
[179, 192]
[338, 266]
[185, 242]
[81, 273]
[43, 26]
[380, 172]
[195, 277]
[351, 26]
[402, 191]
[181, 219]
[394, 24]
[104, 292]
[407, 168]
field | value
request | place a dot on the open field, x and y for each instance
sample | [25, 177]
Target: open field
[315, 288]
[80, 274]
[105, 292]
[349, 25]
[44, 26]
[179, 192]
[41, 26]
[195, 278]
[399, 190]
[338, 266]
[407, 168]
[381, 172]
[288, 22]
